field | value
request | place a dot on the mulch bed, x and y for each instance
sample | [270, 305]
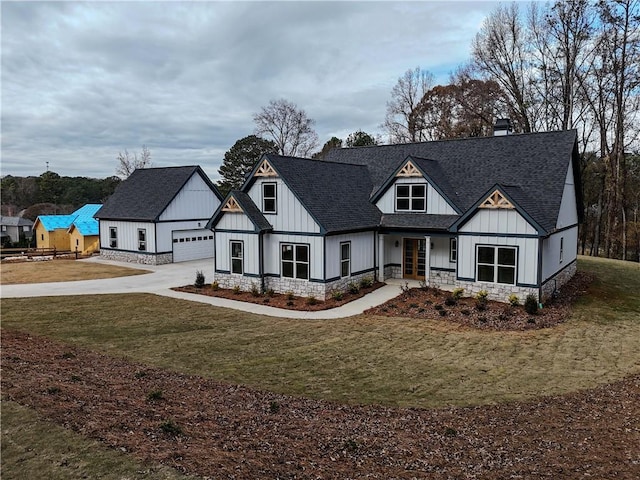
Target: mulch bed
[200, 426]
[431, 303]
[289, 302]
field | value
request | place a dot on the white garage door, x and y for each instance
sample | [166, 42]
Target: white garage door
[192, 245]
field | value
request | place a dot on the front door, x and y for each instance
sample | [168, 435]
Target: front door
[414, 258]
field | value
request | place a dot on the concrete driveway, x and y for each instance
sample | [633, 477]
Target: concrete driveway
[162, 277]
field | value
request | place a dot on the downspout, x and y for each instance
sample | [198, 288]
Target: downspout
[261, 260]
[540, 243]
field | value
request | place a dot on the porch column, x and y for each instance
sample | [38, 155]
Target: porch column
[427, 260]
[381, 257]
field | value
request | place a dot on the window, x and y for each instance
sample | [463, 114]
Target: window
[295, 261]
[561, 248]
[113, 237]
[25, 228]
[4, 228]
[269, 197]
[411, 198]
[453, 250]
[236, 258]
[345, 259]
[77, 242]
[496, 264]
[142, 239]
[42, 236]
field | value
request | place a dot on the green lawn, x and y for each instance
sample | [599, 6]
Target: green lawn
[359, 359]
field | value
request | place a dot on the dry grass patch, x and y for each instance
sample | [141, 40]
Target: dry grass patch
[35, 448]
[60, 271]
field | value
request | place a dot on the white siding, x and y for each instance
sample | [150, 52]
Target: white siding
[250, 251]
[568, 214]
[192, 245]
[436, 204]
[362, 249]
[551, 251]
[527, 255]
[194, 201]
[291, 215]
[235, 221]
[165, 231]
[392, 253]
[487, 220]
[128, 235]
[440, 253]
[272, 253]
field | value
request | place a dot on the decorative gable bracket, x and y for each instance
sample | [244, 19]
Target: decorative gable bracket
[265, 170]
[496, 200]
[232, 206]
[409, 170]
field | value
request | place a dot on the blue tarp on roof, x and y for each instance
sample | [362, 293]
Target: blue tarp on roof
[82, 219]
[54, 222]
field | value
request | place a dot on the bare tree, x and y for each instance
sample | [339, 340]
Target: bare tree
[403, 121]
[127, 163]
[288, 127]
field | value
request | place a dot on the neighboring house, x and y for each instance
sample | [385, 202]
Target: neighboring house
[15, 229]
[61, 231]
[497, 213]
[158, 216]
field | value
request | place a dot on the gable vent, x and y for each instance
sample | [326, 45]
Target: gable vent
[496, 200]
[409, 170]
[232, 206]
[265, 170]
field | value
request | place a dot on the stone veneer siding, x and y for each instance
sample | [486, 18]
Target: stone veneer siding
[442, 277]
[133, 257]
[558, 280]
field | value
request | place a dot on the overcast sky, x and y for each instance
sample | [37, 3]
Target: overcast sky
[83, 81]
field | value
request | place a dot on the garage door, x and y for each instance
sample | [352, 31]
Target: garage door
[192, 245]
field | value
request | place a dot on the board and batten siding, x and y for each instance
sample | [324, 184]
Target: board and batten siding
[362, 252]
[250, 251]
[436, 204]
[568, 214]
[291, 215]
[440, 253]
[498, 221]
[165, 232]
[551, 251]
[527, 256]
[128, 235]
[235, 221]
[195, 200]
[272, 250]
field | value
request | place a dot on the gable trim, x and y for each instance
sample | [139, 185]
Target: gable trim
[265, 170]
[409, 170]
[232, 206]
[496, 201]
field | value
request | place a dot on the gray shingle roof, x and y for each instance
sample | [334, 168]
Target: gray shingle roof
[147, 193]
[412, 221]
[535, 163]
[249, 209]
[335, 194]
[15, 221]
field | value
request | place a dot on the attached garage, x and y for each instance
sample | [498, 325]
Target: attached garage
[192, 245]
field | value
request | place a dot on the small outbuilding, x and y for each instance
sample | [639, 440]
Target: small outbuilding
[75, 231]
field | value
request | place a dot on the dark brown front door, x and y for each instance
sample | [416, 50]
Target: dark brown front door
[414, 258]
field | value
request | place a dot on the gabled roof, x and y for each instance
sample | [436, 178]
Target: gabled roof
[412, 221]
[148, 192]
[15, 221]
[336, 195]
[84, 221]
[534, 163]
[82, 215]
[55, 222]
[248, 208]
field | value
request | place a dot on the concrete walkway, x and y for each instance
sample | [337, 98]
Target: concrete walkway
[161, 278]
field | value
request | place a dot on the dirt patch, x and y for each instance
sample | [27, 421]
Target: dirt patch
[204, 427]
[289, 302]
[437, 304]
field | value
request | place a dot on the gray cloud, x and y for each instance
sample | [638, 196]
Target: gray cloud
[82, 81]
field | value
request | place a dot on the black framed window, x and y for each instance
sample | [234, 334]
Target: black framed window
[345, 259]
[411, 198]
[237, 264]
[269, 197]
[142, 239]
[113, 237]
[496, 264]
[453, 250]
[295, 261]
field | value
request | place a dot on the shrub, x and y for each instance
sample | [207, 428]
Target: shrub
[155, 395]
[53, 390]
[311, 300]
[266, 300]
[482, 319]
[350, 445]
[236, 290]
[531, 304]
[337, 295]
[481, 300]
[170, 428]
[290, 296]
[424, 285]
[215, 286]
[413, 305]
[465, 311]
[405, 288]
[289, 303]
[457, 293]
[199, 283]
[442, 312]
[450, 301]
[270, 292]
[255, 291]
[353, 287]
[514, 300]
[439, 307]
[75, 378]
[140, 374]
[68, 355]
[274, 407]
[450, 432]
[531, 320]
[366, 282]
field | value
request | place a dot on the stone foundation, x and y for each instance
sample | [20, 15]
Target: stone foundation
[554, 283]
[441, 278]
[499, 292]
[133, 257]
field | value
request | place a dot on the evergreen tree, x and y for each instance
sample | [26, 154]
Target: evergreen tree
[240, 160]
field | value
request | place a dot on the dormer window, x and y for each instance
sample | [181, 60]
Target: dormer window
[269, 197]
[411, 198]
